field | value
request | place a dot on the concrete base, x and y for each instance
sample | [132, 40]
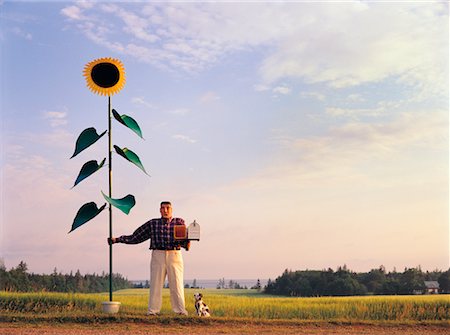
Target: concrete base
[110, 307]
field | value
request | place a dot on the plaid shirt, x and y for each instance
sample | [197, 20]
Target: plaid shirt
[161, 233]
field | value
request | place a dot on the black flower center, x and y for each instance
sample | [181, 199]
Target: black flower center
[105, 75]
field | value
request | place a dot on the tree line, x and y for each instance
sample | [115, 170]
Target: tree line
[18, 279]
[232, 285]
[344, 282]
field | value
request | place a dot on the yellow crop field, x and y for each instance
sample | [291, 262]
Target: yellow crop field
[240, 304]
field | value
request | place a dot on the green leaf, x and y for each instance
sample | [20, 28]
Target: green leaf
[129, 122]
[88, 169]
[124, 204]
[130, 156]
[87, 137]
[85, 213]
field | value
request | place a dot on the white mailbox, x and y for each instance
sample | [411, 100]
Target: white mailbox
[193, 231]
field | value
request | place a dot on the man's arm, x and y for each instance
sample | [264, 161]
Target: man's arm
[140, 235]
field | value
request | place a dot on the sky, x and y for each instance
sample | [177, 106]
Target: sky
[299, 135]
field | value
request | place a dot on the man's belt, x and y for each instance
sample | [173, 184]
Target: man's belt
[168, 249]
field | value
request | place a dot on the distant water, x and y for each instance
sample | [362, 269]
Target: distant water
[213, 283]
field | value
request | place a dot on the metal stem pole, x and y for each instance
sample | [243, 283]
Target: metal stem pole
[110, 195]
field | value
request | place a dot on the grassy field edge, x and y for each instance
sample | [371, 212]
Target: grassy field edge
[229, 308]
[27, 318]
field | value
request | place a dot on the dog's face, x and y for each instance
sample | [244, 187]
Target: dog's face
[198, 296]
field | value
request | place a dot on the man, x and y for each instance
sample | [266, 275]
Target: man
[166, 258]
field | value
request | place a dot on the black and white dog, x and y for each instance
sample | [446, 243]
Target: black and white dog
[200, 306]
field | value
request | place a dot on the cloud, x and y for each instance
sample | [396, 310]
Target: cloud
[355, 98]
[179, 111]
[261, 88]
[283, 89]
[407, 44]
[141, 101]
[341, 45]
[56, 118]
[133, 24]
[84, 4]
[354, 112]
[209, 97]
[59, 138]
[19, 32]
[26, 170]
[352, 150]
[39, 206]
[381, 108]
[184, 138]
[191, 37]
[360, 139]
[314, 95]
[72, 12]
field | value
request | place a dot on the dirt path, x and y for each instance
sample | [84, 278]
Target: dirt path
[139, 329]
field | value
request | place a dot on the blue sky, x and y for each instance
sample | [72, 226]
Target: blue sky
[299, 135]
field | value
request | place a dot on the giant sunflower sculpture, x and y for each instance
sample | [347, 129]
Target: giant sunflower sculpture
[105, 76]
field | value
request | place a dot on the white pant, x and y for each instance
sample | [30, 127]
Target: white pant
[168, 263]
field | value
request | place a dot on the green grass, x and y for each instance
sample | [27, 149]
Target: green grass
[231, 304]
